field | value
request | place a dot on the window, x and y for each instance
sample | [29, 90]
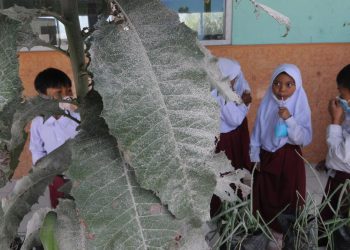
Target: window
[210, 18]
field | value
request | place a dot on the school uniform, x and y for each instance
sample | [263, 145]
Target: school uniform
[282, 172]
[45, 137]
[234, 134]
[338, 165]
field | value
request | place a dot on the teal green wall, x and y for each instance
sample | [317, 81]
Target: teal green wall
[313, 21]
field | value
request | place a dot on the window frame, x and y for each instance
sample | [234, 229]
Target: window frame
[226, 41]
[228, 28]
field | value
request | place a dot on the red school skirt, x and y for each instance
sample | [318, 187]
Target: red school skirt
[281, 176]
[236, 146]
[54, 193]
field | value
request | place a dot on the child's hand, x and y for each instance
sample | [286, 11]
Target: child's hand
[283, 112]
[336, 111]
[246, 98]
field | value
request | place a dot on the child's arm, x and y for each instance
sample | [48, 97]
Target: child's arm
[297, 134]
[233, 114]
[337, 140]
[338, 144]
[36, 145]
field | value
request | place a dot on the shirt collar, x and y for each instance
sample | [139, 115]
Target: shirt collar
[64, 121]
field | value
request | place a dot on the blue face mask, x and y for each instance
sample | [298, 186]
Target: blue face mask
[281, 130]
[344, 104]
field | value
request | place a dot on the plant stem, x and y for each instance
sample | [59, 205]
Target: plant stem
[76, 46]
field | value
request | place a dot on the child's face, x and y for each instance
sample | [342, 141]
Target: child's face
[283, 86]
[58, 93]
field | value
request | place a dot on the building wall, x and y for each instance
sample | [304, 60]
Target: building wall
[312, 21]
[319, 64]
[31, 63]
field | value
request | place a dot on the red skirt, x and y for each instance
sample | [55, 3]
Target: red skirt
[54, 193]
[236, 146]
[281, 176]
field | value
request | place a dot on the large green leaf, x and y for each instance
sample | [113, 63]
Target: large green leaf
[47, 232]
[155, 81]
[117, 212]
[28, 189]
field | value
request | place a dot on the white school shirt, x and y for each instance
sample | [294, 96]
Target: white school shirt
[338, 157]
[231, 114]
[49, 135]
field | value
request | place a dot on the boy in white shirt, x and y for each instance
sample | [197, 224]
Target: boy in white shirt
[46, 136]
[338, 140]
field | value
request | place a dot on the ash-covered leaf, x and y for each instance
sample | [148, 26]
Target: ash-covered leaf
[3, 241]
[155, 80]
[20, 14]
[33, 229]
[10, 89]
[10, 86]
[4, 163]
[69, 232]
[279, 17]
[28, 189]
[116, 211]
[227, 175]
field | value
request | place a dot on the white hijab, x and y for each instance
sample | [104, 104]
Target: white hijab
[231, 69]
[267, 117]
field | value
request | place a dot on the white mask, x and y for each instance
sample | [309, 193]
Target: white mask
[67, 105]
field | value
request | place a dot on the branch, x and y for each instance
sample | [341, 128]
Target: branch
[55, 15]
[76, 45]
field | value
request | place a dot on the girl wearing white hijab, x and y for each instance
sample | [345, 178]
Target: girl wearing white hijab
[234, 134]
[282, 127]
